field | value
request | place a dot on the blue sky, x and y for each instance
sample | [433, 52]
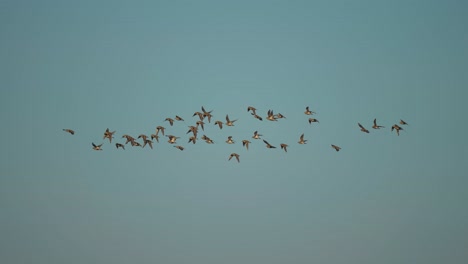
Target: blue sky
[128, 65]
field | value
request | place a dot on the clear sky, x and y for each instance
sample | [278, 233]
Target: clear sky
[127, 65]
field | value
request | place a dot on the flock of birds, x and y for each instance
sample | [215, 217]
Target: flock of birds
[206, 115]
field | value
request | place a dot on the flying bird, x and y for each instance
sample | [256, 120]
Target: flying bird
[268, 145]
[308, 112]
[118, 145]
[403, 122]
[109, 135]
[192, 139]
[229, 122]
[230, 140]
[149, 142]
[302, 140]
[155, 136]
[336, 147]
[363, 129]
[219, 123]
[256, 135]
[246, 143]
[284, 146]
[96, 147]
[178, 118]
[201, 123]
[375, 126]
[397, 128]
[313, 120]
[69, 131]
[251, 108]
[271, 116]
[172, 139]
[160, 128]
[258, 117]
[179, 147]
[171, 121]
[234, 155]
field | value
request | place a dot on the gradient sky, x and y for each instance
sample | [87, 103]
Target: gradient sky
[127, 65]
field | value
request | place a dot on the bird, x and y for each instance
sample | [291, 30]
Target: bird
[193, 129]
[96, 147]
[129, 138]
[375, 126]
[279, 115]
[284, 146]
[135, 144]
[155, 136]
[143, 136]
[302, 140]
[229, 140]
[207, 139]
[251, 108]
[397, 128]
[149, 142]
[207, 114]
[362, 128]
[201, 123]
[118, 145]
[192, 139]
[229, 122]
[179, 147]
[258, 117]
[109, 135]
[72, 132]
[271, 116]
[160, 128]
[268, 145]
[336, 147]
[256, 135]
[403, 122]
[313, 120]
[178, 118]
[200, 115]
[246, 143]
[219, 123]
[234, 155]
[308, 112]
[172, 139]
[171, 121]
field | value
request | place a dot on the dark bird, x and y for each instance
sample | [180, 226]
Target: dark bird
[207, 114]
[397, 128]
[256, 135]
[178, 118]
[149, 142]
[155, 136]
[143, 136]
[96, 147]
[375, 126]
[229, 122]
[336, 147]
[118, 145]
[171, 121]
[246, 143]
[251, 108]
[258, 117]
[363, 129]
[403, 122]
[219, 123]
[302, 140]
[313, 120]
[234, 155]
[271, 116]
[129, 139]
[308, 112]
[172, 139]
[200, 115]
[284, 146]
[230, 140]
[279, 115]
[69, 131]
[192, 139]
[268, 145]
[109, 135]
[201, 123]
[179, 147]
[160, 128]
